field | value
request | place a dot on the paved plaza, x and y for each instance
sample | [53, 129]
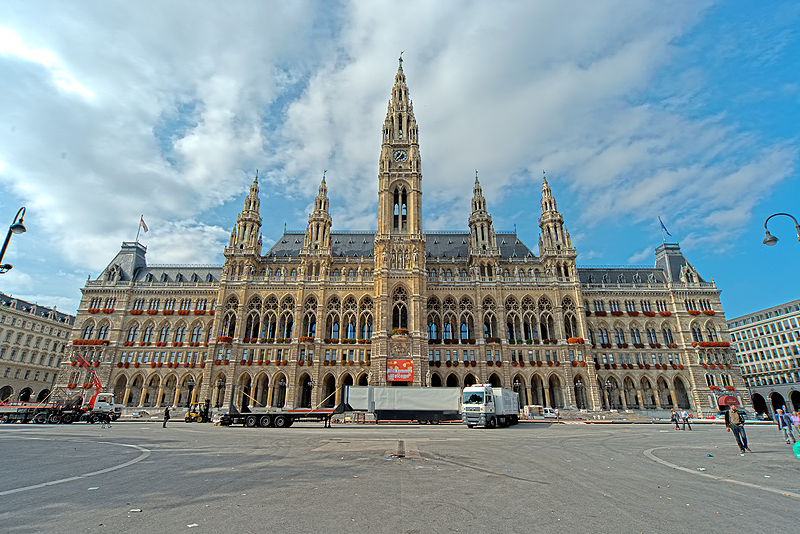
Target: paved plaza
[353, 478]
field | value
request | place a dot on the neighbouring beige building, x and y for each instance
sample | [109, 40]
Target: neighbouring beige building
[33, 340]
[400, 306]
[768, 347]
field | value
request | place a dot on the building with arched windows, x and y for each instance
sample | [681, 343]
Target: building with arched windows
[320, 309]
[33, 340]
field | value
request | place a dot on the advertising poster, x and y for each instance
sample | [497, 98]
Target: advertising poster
[399, 370]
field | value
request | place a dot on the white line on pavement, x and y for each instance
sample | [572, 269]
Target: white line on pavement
[649, 453]
[145, 454]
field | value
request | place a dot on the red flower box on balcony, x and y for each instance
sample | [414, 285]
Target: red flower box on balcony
[647, 366]
[211, 312]
[119, 364]
[473, 363]
[616, 313]
[202, 365]
[136, 365]
[575, 341]
[490, 363]
[183, 312]
[199, 312]
[108, 311]
[549, 364]
[93, 310]
[135, 312]
[709, 312]
[693, 312]
[665, 313]
[601, 313]
[633, 313]
[168, 312]
[152, 312]
[649, 313]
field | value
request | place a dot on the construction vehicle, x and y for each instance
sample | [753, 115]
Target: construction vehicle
[199, 413]
[488, 406]
[65, 406]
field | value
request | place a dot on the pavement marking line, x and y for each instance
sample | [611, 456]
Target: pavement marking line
[144, 455]
[649, 454]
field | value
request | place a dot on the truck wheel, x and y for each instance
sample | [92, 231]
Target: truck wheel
[54, 419]
[490, 423]
[266, 421]
[3, 419]
[198, 419]
[251, 421]
[280, 421]
[93, 419]
[289, 422]
[470, 426]
[39, 418]
[67, 419]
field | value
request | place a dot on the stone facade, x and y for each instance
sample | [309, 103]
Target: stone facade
[324, 309]
[33, 340]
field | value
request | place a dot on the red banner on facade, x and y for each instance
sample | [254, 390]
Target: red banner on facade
[399, 370]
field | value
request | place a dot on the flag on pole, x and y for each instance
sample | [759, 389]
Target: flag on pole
[664, 228]
[144, 226]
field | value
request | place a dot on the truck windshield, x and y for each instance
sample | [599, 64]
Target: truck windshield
[473, 397]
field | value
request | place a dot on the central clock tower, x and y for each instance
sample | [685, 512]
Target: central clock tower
[400, 274]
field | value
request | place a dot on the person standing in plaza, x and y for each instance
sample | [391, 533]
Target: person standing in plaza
[673, 416]
[795, 417]
[785, 424]
[685, 418]
[166, 417]
[734, 421]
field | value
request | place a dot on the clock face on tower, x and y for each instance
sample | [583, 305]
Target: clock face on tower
[400, 155]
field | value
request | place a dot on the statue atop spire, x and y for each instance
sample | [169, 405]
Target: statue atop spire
[400, 60]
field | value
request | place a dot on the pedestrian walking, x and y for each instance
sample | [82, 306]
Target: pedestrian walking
[785, 423]
[685, 418]
[105, 420]
[673, 416]
[795, 417]
[734, 421]
[166, 417]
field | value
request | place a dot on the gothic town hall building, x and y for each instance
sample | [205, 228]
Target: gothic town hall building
[319, 310]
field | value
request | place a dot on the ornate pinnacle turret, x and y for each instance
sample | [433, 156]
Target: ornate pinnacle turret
[248, 223]
[482, 237]
[318, 235]
[554, 235]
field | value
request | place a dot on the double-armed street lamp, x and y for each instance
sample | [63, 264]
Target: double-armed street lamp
[770, 239]
[16, 228]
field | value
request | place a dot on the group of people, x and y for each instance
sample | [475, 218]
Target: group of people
[734, 422]
[683, 416]
[787, 423]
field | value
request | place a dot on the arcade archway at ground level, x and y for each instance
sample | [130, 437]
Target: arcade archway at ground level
[794, 398]
[777, 400]
[759, 404]
[42, 395]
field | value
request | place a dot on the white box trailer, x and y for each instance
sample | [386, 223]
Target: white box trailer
[398, 403]
[484, 405]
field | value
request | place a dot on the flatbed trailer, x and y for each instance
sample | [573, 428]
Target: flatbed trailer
[276, 417]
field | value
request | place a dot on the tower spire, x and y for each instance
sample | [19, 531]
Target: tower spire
[555, 243]
[246, 233]
[482, 241]
[318, 231]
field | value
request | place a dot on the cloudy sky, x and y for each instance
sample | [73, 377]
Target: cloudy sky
[687, 110]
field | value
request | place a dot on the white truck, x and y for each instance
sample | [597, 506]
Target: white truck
[393, 403]
[489, 406]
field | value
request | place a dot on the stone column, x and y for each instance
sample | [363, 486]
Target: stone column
[530, 393]
[194, 395]
[177, 397]
[657, 396]
[641, 398]
[160, 396]
[674, 398]
[547, 396]
[142, 395]
[270, 390]
[623, 398]
[126, 396]
[605, 399]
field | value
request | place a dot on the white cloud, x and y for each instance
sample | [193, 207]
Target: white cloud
[188, 98]
[641, 256]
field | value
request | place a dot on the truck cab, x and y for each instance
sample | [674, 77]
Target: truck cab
[104, 403]
[484, 405]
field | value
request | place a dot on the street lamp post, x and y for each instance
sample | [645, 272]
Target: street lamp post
[609, 389]
[190, 385]
[770, 239]
[16, 228]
